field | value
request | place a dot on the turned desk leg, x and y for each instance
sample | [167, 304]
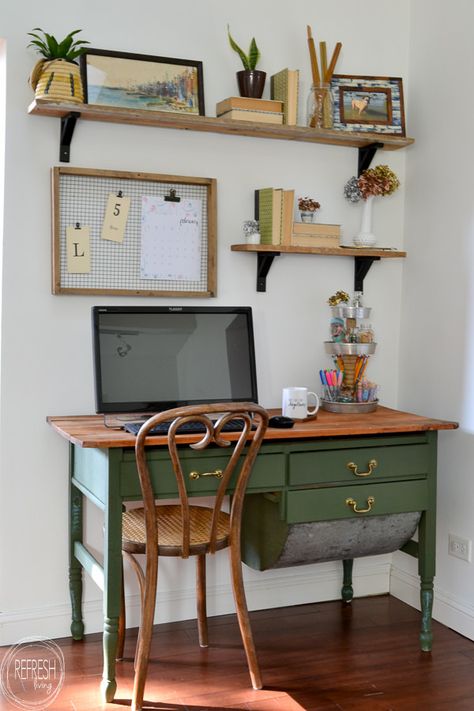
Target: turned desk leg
[112, 585]
[347, 590]
[426, 569]
[75, 568]
[426, 596]
[108, 685]
[427, 551]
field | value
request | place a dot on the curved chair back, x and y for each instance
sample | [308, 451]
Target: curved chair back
[241, 449]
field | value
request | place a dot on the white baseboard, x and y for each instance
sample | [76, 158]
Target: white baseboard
[274, 588]
[451, 611]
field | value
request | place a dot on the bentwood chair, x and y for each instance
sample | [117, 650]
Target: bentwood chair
[184, 529]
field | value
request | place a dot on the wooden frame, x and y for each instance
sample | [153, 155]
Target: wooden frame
[79, 197]
[370, 104]
[142, 81]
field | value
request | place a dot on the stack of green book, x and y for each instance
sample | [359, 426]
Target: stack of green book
[274, 211]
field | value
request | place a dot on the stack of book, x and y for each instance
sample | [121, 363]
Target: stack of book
[274, 211]
[312, 234]
[284, 86]
[243, 108]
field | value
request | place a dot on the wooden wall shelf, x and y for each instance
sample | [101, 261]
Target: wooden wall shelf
[363, 258]
[366, 143]
[70, 112]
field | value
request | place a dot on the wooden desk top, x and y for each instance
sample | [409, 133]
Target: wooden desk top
[90, 430]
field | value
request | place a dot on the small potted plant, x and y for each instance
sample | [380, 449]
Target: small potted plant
[251, 81]
[251, 231]
[372, 182]
[56, 76]
[307, 207]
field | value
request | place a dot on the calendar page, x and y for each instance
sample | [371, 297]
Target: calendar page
[170, 239]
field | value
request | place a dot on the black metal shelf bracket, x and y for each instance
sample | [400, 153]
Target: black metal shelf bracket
[68, 124]
[361, 268]
[264, 262]
[366, 154]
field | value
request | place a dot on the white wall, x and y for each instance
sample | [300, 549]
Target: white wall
[437, 343]
[46, 365]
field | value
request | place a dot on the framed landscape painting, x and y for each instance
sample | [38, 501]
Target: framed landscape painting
[141, 81]
[366, 104]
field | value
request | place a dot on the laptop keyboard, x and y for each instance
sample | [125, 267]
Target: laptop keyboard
[186, 428]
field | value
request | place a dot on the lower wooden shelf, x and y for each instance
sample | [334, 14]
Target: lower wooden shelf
[363, 258]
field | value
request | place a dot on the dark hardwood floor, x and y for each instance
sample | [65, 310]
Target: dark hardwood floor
[319, 657]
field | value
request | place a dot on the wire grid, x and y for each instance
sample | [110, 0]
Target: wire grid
[114, 265]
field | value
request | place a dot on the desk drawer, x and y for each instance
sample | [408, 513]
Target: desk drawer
[330, 503]
[332, 466]
[268, 473]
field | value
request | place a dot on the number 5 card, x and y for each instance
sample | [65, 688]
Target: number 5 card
[115, 220]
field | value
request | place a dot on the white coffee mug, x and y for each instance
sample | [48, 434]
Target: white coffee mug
[295, 403]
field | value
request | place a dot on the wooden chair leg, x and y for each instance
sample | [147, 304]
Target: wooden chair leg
[141, 582]
[243, 617]
[201, 599]
[121, 623]
[146, 629]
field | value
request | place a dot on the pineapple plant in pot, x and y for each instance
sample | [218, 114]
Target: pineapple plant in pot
[251, 81]
[57, 76]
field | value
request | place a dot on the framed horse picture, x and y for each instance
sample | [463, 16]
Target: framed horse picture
[368, 104]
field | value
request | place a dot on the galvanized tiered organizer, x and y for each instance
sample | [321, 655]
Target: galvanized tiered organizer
[351, 358]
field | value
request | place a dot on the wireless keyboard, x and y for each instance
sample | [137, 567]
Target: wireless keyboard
[186, 428]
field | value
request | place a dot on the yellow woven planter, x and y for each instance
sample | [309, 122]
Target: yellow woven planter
[58, 80]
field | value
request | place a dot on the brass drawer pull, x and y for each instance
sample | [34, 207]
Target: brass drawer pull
[353, 504]
[353, 468]
[197, 475]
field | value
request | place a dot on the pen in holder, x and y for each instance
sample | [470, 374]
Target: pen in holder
[331, 380]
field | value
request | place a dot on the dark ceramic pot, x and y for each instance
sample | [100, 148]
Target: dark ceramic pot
[251, 83]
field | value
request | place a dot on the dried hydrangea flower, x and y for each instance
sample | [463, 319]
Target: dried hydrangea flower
[307, 204]
[352, 190]
[378, 181]
[338, 298]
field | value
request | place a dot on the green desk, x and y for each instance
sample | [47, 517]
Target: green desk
[301, 476]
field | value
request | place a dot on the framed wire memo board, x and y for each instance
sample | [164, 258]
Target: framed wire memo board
[124, 233]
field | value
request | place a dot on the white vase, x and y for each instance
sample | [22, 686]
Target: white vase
[365, 237]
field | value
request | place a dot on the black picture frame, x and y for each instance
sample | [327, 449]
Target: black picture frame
[142, 81]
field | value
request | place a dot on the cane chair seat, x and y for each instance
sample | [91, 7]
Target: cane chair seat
[170, 530]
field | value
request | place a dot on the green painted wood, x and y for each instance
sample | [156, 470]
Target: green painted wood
[303, 476]
[264, 531]
[347, 591]
[336, 444]
[269, 472]
[411, 548]
[91, 471]
[85, 491]
[90, 564]
[112, 574]
[427, 549]
[75, 568]
[402, 462]
[325, 504]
